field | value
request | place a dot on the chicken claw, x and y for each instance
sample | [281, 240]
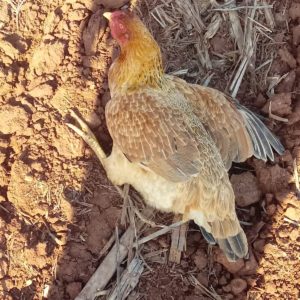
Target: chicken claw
[87, 135]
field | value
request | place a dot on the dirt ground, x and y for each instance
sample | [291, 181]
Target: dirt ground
[57, 208]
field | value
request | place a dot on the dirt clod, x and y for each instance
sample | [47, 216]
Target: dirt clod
[200, 259]
[232, 267]
[280, 104]
[272, 178]
[245, 188]
[238, 285]
[296, 35]
[67, 144]
[294, 10]
[287, 57]
[47, 57]
[293, 213]
[73, 289]
[43, 90]
[13, 119]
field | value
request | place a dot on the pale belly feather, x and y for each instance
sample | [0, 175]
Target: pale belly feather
[156, 191]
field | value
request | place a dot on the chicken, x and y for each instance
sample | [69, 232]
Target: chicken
[174, 141]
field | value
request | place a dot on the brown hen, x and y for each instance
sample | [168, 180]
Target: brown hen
[174, 141]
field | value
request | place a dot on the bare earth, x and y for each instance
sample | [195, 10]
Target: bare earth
[57, 208]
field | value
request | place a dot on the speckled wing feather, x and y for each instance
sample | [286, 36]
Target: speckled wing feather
[221, 119]
[237, 132]
[151, 132]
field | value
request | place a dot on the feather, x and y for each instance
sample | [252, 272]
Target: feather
[262, 138]
[208, 236]
[234, 247]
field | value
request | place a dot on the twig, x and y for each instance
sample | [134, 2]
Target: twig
[118, 262]
[211, 294]
[107, 246]
[296, 177]
[2, 207]
[145, 220]
[16, 8]
[272, 116]
[106, 270]
[241, 7]
[158, 233]
[129, 280]
[125, 204]
[269, 15]
[236, 25]
[247, 52]
[291, 221]
[274, 81]
[178, 243]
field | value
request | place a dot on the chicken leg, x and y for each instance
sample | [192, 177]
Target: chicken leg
[87, 135]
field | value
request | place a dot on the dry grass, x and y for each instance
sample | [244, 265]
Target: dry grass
[185, 30]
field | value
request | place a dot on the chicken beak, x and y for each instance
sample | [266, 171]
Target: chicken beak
[107, 15]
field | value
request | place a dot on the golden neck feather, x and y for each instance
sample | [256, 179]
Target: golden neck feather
[139, 65]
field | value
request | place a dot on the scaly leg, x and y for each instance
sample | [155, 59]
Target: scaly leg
[87, 135]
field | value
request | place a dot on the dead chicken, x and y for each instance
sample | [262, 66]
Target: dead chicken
[174, 141]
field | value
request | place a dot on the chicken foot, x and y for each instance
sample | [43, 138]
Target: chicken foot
[87, 135]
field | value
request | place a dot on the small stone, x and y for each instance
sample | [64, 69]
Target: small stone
[202, 278]
[287, 57]
[296, 35]
[271, 209]
[250, 265]
[37, 166]
[283, 233]
[270, 288]
[294, 235]
[259, 245]
[200, 259]
[222, 280]
[294, 117]
[245, 188]
[227, 288]
[228, 297]
[294, 10]
[37, 126]
[76, 15]
[260, 100]
[238, 285]
[73, 289]
[93, 120]
[232, 267]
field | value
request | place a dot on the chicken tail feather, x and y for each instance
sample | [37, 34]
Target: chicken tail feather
[263, 140]
[234, 247]
[208, 237]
